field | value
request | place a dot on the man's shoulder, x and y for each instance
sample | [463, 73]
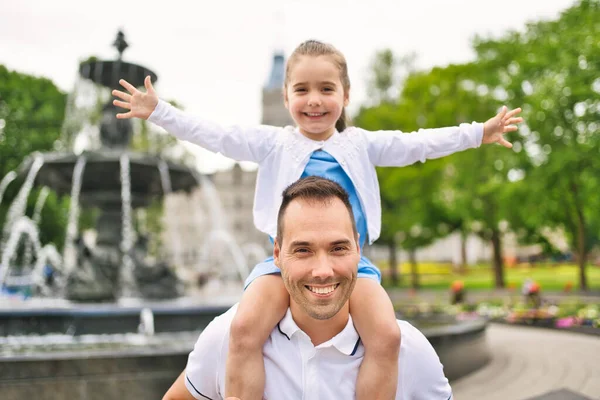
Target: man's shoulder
[223, 321]
[412, 338]
[421, 364]
[219, 326]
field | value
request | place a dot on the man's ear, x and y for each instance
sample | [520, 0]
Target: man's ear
[276, 253]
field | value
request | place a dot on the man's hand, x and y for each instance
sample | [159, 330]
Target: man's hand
[139, 104]
[494, 128]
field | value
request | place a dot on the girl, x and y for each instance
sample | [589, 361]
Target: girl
[316, 92]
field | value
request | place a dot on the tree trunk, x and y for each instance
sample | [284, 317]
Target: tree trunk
[393, 263]
[497, 259]
[463, 253]
[414, 273]
[581, 248]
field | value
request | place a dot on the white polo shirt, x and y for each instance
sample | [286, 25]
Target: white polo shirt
[295, 369]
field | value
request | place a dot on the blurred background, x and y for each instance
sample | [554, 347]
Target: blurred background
[509, 236]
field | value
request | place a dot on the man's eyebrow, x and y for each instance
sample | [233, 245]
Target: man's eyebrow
[297, 243]
[341, 241]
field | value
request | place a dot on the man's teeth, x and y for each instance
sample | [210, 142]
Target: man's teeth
[322, 290]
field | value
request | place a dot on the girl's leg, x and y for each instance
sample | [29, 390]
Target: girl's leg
[263, 304]
[375, 320]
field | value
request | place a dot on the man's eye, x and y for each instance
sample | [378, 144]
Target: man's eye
[301, 251]
[340, 248]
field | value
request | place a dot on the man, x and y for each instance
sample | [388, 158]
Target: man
[314, 352]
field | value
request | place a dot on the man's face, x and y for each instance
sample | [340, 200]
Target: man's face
[318, 256]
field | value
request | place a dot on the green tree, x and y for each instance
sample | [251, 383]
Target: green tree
[31, 114]
[552, 68]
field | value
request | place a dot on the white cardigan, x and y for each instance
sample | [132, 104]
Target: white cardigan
[282, 155]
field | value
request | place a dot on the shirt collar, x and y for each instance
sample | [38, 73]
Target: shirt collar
[303, 138]
[346, 341]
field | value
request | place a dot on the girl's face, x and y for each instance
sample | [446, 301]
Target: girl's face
[315, 96]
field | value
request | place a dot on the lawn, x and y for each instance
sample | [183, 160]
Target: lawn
[552, 277]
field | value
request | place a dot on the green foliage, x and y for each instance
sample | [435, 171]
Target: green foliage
[550, 180]
[31, 114]
[552, 69]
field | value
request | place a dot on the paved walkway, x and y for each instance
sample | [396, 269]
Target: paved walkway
[528, 362]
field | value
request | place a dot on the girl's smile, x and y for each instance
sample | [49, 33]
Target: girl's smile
[315, 96]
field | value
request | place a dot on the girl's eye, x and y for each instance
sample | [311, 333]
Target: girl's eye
[328, 89]
[300, 90]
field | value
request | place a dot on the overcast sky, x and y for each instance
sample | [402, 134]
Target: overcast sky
[214, 56]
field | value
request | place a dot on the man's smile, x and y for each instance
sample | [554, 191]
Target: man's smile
[322, 291]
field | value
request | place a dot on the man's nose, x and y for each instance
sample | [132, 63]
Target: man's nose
[322, 268]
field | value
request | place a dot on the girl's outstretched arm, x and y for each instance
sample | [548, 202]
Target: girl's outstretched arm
[398, 149]
[241, 144]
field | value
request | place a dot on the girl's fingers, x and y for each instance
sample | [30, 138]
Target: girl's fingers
[512, 113]
[511, 121]
[502, 113]
[148, 84]
[130, 88]
[125, 115]
[505, 143]
[121, 95]
[510, 128]
[122, 104]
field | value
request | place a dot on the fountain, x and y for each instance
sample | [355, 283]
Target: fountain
[109, 310]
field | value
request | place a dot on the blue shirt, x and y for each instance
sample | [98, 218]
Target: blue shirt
[324, 165]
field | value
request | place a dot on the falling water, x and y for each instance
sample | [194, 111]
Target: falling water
[127, 278]
[70, 122]
[146, 326]
[23, 226]
[37, 216]
[39, 205]
[48, 254]
[213, 201]
[69, 252]
[254, 252]
[225, 237]
[8, 178]
[19, 204]
[165, 179]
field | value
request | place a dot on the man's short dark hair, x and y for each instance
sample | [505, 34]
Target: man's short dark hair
[313, 189]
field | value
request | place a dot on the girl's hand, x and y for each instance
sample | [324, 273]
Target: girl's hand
[139, 104]
[494, 128]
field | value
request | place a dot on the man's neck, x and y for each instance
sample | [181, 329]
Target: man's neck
[320, 330]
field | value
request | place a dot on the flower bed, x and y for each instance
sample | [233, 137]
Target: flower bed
[568, 315]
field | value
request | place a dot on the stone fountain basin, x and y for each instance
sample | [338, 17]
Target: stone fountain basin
[461, 345]
[183, 314]
[108, 73]
[101, 181]
[105, 366]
